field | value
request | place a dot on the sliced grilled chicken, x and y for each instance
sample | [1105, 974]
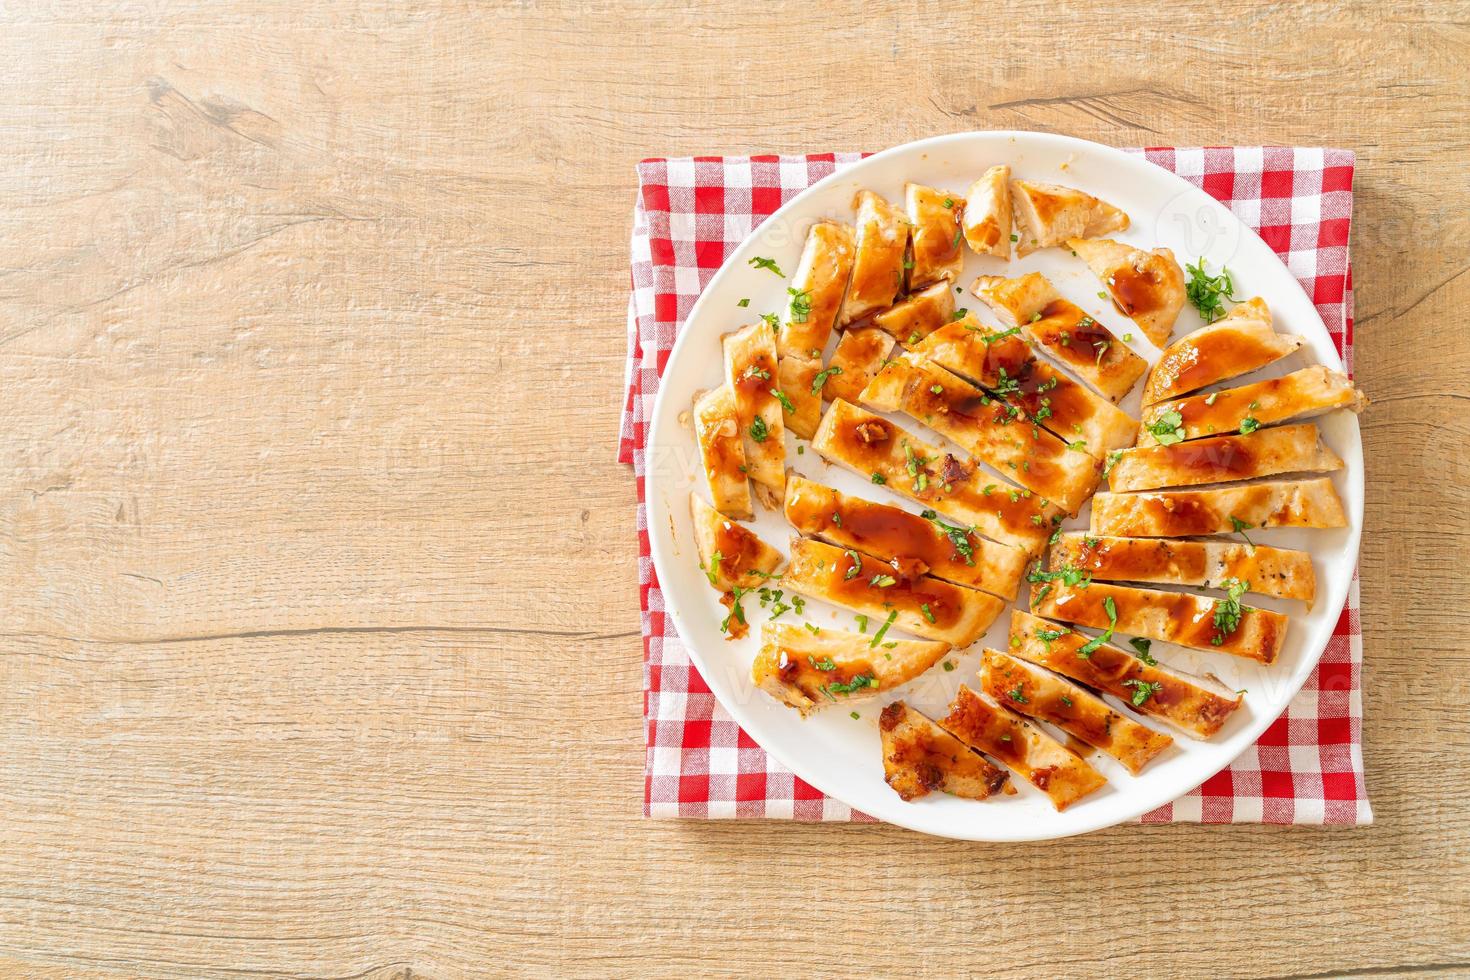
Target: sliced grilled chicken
[1146, 287]
[731, 555]
[919, 757]
[918, 315]
[1301, 394]
[1039, 759]
[809, 670]
[1181, 513]
[1222, 459]
[1241, 342]
[750, 371]
[722, 452]
[817, 290]
[1187, 702]
[1049, 214]
[877, 271]
[1211, 564]
[859, 356]
[934, 217]
[987, 220]
[1044, 696]
[1199, 622]
[1064, 330]
[912, 544]
[1006, 366]
[795, 377]
[922, 605]
[889, 455]
[992, 430]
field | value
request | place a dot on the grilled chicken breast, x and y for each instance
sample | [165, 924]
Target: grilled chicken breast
[722, 452]
[810, 671]
[919, 757]
[889, 455]
[859, 356]
[1039, 759]
[1241, 342]
[1211, 564]
[918, 315]
[1042, 695]
[992, 430]
[817, 290]
[1146, 287]
[921, 605]
[935, 217]
[803, 406]
[1221, 459]
[1301, 394]
[1062, 329]
[912, 544]
[877, 272]
[1180, 513]
[750, 371]
[731, 555]
[1185, 702]
[1008, 368]
[987, 220]
[1198, 622]
[1049, 214]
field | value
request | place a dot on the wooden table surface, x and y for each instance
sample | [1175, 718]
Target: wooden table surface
[320, 631]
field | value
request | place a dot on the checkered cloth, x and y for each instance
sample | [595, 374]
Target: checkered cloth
[1307, 767]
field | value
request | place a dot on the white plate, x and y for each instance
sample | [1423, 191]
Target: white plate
[840, 755]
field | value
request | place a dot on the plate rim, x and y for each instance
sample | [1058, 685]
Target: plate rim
[818, 779]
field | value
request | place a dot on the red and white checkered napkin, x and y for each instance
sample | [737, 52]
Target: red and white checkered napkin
[1308, 766]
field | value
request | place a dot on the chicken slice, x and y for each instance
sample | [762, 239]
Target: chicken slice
[1146, 287]
[809, 670]
[731, 555]
[919, 757]
[1049, 214]
[987, 222]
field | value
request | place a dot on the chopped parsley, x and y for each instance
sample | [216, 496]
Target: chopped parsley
[882, 630]
[856, 567]
[780, 396]
[959, 314]
[744, 302]
[1205, 291]
[1086, 649]
[862, 623]
[822, 377]
[714, 567]
[1210, 398]
[996, 338]
[771, 320]
[1228, 611]
[801, 304]
[929, 615]
[1070, 575]
[1018, 695]
[836, 519]
[882, 581]
[736, 609]
[758, 430]
[948, 666]
[1142, 691]
[814, 630]
[1080, 446]
[756, 371]
[958, 536]
[1168, 428]
[824, 664]
[1046, 636]
[1142, 646]
[854, 714]
[879, 479]
[760, 262]
[1066, 701]
[1240, 527]
[856, 684]
[1249, 425]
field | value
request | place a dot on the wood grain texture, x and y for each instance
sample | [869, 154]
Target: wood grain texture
[311, 345]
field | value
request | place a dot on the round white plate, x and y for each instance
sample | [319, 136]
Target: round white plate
[840, 755]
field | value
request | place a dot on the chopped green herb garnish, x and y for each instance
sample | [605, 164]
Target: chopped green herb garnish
[744, 302]
[882, 630]
[1228, 611]
[879, 479]
[1248, 425]
[855, 567]
[1142, 646]
[929, 615]
[1142, 691]
[763, 263]
[862, 623]
[1240, 527]
[1085, 651]
[856, 684]
[948, 666]
[1210, 398]
[1168, 428]
[785, 402]
[758, 430]
[824, 664]
[958, 537]
[1018, 695]
[1046, 636]
[801, 304]
[1205, 291]
[822, 377]
[882, 581]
